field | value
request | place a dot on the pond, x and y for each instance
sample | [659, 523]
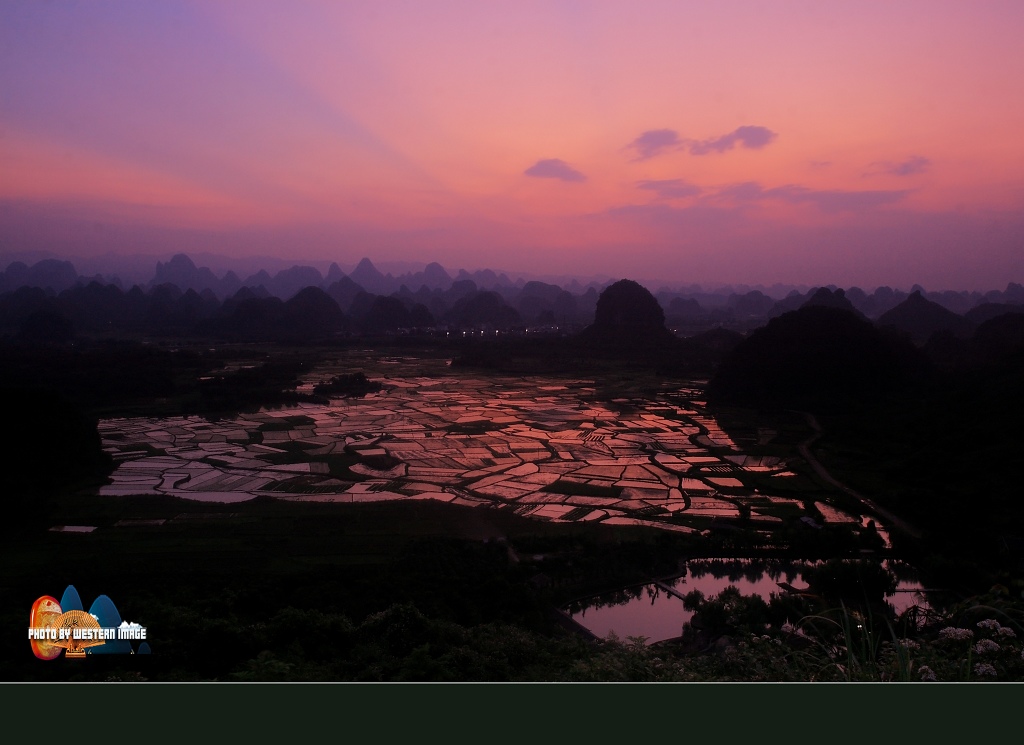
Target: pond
[656, 610]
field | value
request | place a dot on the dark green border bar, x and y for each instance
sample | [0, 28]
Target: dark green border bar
[603, 711]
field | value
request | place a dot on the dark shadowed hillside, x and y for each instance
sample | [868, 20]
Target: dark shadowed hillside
[483, 308]
[56, 446]
[815, 357]
[920, 318]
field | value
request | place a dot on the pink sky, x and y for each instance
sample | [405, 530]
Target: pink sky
[843, 143]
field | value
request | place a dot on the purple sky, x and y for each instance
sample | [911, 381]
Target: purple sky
[812, 143]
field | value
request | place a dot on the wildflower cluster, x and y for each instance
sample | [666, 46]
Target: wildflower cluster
[951, 633]
[983, 650]
[967, 645]
[984, 669]
[986, 646]
[973, 641]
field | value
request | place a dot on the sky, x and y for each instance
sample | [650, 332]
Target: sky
[847, 143]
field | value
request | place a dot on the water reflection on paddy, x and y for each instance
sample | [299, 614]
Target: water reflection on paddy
[649, 611]
[656, 610]
[545, 447]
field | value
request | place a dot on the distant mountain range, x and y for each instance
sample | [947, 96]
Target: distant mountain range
[180, 294]
[127, 271]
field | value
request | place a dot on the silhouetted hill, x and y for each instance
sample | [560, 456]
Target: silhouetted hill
[720, 342]
[540, 302]
[310, 314]
[482, 308]
[542, 305]
[754, 304]
[920, 318]
[995, 343]
[877, 303]
[700, 354]
[459, 289]
[684, 309]
[388, 314]
[245, 293]
[182, 272]
[48, 325]
[420, 316]
[369, 278]
[313, 313]
[169, 311]
[101, 309]
[987, 311]
[999, 340]
[333, 275]
[344, 292]
[57, 446]
[793, 301]
[15, 276]
[485, 278]
[288, 282]
[1013, 294]
[18, 305]
[957, 302]
[628, 316]
[433, 276]
[827, 298]
[260, 279]
[815, 357]
[424, 300]
[250, 319]
[52, 275]
[385, 314]
[360, 307]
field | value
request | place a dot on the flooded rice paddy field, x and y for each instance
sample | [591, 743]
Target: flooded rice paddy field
[548, 448]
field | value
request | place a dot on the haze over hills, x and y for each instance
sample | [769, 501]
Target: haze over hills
[51, 302]
[126, 270]
[130, 269]
[284, 277]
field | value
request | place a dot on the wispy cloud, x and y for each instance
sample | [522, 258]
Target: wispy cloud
[752, 137]
[656, 142]
[838, 201]
[673, 188]
[747, 191]
[827, 200]
[911, 166]
[554, 168]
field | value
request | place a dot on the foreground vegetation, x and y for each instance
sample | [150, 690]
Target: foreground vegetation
[978, 639]
[424, 591]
